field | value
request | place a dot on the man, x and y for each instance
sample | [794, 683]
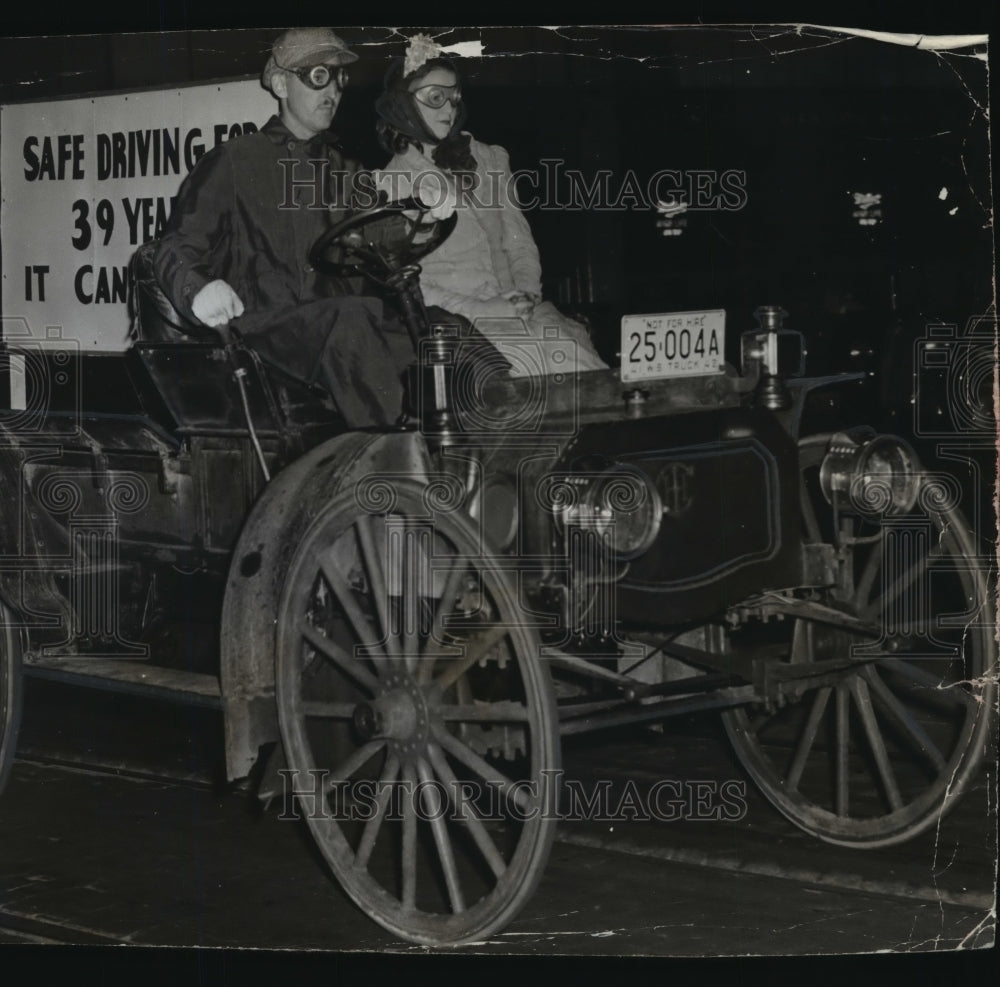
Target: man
[235, 251]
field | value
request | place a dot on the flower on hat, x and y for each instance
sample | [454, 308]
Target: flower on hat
[421, 49]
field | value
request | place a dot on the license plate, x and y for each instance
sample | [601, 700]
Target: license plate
[675, 344]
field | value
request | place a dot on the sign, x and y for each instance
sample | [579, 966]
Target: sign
[675, 344]
[86, 181]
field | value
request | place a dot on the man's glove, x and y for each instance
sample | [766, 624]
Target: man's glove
[216, 303]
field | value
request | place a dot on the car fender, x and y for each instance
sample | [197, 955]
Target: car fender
[266, 546]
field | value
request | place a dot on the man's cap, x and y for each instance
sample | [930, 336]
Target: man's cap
[300, 47]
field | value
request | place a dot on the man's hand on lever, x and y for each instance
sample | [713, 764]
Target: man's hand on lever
[216, 304]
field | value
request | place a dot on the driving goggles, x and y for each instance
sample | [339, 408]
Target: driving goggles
[319, 76]
[436, 96]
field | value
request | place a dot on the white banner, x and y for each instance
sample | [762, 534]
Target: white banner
[86, 181]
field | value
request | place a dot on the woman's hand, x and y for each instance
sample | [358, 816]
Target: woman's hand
[498, 307]
[523, 302]
[436, 192]
[440, 205]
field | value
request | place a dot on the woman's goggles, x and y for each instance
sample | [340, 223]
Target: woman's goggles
[436, 96]
[319, 76]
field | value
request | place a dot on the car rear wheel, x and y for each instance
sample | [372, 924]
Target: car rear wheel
[876, 750]
[10, 691]
[418, 723]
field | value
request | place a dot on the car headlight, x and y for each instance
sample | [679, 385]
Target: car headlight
[622, 504]
[875, 477]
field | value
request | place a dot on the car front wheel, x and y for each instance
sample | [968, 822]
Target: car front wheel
[418, 723]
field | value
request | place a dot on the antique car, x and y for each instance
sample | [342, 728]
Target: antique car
[415, 615]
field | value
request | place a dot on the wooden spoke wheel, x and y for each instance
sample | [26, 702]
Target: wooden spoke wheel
[10, 691]
[875, 751]
[418, 723]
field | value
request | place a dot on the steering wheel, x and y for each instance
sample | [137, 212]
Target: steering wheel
[402, 240]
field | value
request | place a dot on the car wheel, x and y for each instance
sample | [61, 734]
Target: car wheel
[10, 691]
[874, 751]
[418, 723]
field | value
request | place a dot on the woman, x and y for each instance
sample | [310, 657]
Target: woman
[488, 269]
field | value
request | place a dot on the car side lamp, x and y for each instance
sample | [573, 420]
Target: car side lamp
[772, 353]
[873, 478]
